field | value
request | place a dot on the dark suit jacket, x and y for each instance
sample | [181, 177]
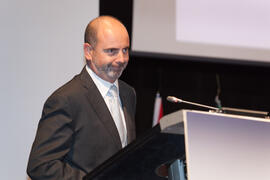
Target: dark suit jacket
[76, 132]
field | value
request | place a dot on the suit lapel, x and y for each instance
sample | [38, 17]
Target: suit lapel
[100, 107]
[126, 109]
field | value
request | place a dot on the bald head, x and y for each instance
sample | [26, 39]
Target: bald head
[101, 24]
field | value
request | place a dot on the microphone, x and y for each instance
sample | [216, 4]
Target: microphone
[177, 100]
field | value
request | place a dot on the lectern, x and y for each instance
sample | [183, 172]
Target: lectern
[216, 146]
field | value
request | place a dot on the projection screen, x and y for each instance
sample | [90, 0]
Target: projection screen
[225, 29]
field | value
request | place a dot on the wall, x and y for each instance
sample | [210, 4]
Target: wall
[40, 49]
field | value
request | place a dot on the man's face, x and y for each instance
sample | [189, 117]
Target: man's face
[109, 57]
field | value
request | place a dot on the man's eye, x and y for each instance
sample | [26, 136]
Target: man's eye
[125, 50]
[111, 51]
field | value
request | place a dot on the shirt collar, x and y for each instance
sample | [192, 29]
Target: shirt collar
[102, 85]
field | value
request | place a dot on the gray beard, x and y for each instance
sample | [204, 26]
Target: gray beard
[108, 70]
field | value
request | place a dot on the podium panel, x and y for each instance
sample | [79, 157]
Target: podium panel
[223, 147]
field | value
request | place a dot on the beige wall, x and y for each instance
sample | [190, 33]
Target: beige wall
[40, 49]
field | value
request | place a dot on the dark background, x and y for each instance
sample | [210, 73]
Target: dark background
[243, 85]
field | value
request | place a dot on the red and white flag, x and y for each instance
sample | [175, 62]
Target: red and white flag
[158, 110]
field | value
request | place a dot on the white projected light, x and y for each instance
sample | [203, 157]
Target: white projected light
[232, 23]
[224, 29]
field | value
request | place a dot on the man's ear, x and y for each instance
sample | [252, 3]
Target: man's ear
[87, 51]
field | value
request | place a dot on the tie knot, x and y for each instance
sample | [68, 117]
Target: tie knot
[113, 91]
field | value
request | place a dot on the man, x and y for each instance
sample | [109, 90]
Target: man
[79, 128]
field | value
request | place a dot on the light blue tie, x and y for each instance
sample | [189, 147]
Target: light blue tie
[115, 112]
